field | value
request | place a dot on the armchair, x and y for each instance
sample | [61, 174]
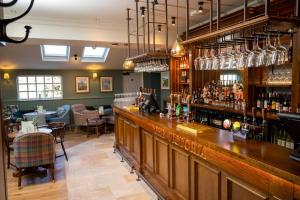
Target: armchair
[34, 150]
[81, 114]
[62, 115]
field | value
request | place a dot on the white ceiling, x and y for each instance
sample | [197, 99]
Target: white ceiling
[102, 21]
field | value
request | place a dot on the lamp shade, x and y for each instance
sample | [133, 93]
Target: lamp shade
[6, 76]
[177, 50]
[95, 75]
[128, 64]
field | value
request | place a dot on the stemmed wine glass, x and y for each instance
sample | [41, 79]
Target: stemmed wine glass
[203, 61]
[250, 55]
[259, 55]
[215, 61]
[281, 53]
[270, 53]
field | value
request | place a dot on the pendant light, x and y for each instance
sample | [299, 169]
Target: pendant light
[177, 50]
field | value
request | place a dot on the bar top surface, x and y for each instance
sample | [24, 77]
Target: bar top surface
[266, 156]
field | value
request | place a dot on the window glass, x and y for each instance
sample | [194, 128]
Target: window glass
[39, 87]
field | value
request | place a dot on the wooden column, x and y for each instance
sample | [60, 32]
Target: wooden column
[3, 187]
[296, 71]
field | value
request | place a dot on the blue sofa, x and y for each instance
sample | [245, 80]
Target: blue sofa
[62, 115]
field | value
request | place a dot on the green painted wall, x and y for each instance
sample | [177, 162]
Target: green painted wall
[94, 98]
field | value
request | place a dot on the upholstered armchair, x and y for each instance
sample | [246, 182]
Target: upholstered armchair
[62, 115]
[34, 150]
[81, 114]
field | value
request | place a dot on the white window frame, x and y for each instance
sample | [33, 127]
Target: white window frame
[37, 98]
[65, 58]
[101, 59]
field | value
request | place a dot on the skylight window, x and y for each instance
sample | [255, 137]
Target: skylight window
[55, 53]
[94, 54]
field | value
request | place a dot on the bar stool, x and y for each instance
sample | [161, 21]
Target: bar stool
[58, 131]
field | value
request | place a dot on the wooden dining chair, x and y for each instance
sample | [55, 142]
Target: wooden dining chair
[58, 131]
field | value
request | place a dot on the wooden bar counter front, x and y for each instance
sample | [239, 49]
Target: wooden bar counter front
[209, 166]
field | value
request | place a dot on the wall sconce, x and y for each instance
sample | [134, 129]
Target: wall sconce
[159, 28]
[95, 75]
[143, 11]
[6, 76]
[173, 21]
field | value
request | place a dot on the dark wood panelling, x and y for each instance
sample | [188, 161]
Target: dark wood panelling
[136, 143]
[205, 181]
[233, 189]
[161, 160]
[180, 172]
[148, 150]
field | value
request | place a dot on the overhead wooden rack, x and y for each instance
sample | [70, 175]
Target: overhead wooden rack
[149, 56]
[276, 22]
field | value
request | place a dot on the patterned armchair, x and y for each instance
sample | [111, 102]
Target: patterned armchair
[34, 150]
[81, 114]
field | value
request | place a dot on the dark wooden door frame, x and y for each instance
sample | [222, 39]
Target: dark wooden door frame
[3, 189]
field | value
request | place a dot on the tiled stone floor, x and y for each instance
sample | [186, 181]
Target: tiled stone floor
[93, 172]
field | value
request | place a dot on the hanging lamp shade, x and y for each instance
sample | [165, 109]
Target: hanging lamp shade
[177, 50]
[128, 64]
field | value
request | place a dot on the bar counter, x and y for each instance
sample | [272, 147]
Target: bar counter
[179, 165]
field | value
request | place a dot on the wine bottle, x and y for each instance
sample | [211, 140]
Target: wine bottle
[258, 103]
[277, 103]
[285, 107]
[265, 101]
[269, 107]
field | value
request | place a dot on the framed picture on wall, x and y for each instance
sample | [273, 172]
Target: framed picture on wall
[165, 80]
[106, 84]
[82, 84]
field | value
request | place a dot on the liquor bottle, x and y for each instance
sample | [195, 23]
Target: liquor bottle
[288, 143]
[278, 103]
[289, 104]
[290, 51]
[270, 102]
[258, 102]
[265, 100]
[283, 139]
[285, 107]
[183, 77]
[279, 138]
[273, 108]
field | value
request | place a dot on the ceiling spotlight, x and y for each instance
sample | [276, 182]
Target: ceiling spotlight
[200, 6]
[142, 11]
[155, 2]
[173, 21]
[159, 28]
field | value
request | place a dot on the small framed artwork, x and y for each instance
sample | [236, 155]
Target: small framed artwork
[106, 84]
[165, 80]
[82, 84]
